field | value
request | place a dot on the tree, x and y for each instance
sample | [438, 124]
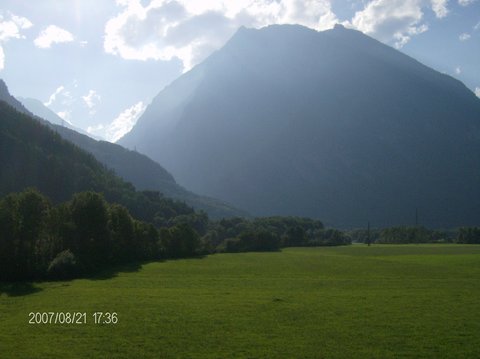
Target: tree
[120, 225]
[8, 224]
[23, 234]
[469, 235]
[184, 241]
[90, 216]
[32, 218]
[147, 241]
[295, 236]
[63, 266]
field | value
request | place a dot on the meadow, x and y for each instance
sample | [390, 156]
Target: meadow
[383, 301]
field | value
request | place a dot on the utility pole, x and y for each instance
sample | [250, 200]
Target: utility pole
[368, 234]
[416, 217]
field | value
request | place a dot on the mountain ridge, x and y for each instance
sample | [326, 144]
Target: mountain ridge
[334, 125]
[37, 108]
[138, 169]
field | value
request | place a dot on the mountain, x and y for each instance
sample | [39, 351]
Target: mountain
[141, 171]
[10, 100]
[39, 109]
[335, 125]
[33, 155]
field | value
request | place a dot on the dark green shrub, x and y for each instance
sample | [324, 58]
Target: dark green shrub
[63, 266]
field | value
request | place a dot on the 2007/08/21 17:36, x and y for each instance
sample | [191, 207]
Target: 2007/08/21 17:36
[72, 317]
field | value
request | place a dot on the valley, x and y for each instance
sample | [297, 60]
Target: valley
[382, 301]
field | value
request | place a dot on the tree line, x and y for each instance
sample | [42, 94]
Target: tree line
[41, 240]
[415, 234]
[65, 228]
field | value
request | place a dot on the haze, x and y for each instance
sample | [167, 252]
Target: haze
[99, 64]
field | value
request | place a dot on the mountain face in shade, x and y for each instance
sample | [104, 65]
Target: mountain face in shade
[138, 169]
[334, 125]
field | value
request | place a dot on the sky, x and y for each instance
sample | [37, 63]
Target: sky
[98, 64]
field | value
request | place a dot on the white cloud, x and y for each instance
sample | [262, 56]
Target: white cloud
[477, 26]
[61, 101]
[11, 27]
[60, 91]
[190, 29]
[477, 91]
[458, 70]
[2, 58]
[440, 8]
[52, 35]
[93, 129]
[396, 21]
[121, 125]
[22, 22]
[92, 99]
[65, 115]
[464, 36]
[466, 2]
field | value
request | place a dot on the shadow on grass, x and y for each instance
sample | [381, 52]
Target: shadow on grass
[200, 256]
[112, 272]
[18, 289]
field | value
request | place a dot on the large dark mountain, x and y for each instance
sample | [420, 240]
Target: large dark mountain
[334, 124]
[141, 171]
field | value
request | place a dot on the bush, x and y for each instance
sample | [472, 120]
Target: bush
[404, 235]
[468, 235]
[63, 266]
[329, 237]
[182, 241]
[251, 241]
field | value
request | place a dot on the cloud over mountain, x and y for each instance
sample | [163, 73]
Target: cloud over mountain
[92, 99]
[396, 21]
[191, 30]
[124, 122]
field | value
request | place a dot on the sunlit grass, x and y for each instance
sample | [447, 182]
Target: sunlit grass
[418, 301]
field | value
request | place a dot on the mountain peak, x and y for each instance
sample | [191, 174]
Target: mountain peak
[3, 87]
[12, 101]
[285, 120]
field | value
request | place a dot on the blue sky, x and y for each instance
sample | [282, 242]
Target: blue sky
[99, 63]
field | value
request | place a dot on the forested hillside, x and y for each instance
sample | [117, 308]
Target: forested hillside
[33, 155]
[134, 167]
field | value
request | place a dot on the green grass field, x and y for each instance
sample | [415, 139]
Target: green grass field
[389, 301]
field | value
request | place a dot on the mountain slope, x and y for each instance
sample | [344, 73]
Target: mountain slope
[10, 100]
[39, 109]
[33, 155]
[335, 125]
[141, 171]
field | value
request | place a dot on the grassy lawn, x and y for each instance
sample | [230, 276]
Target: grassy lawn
[383, 301]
